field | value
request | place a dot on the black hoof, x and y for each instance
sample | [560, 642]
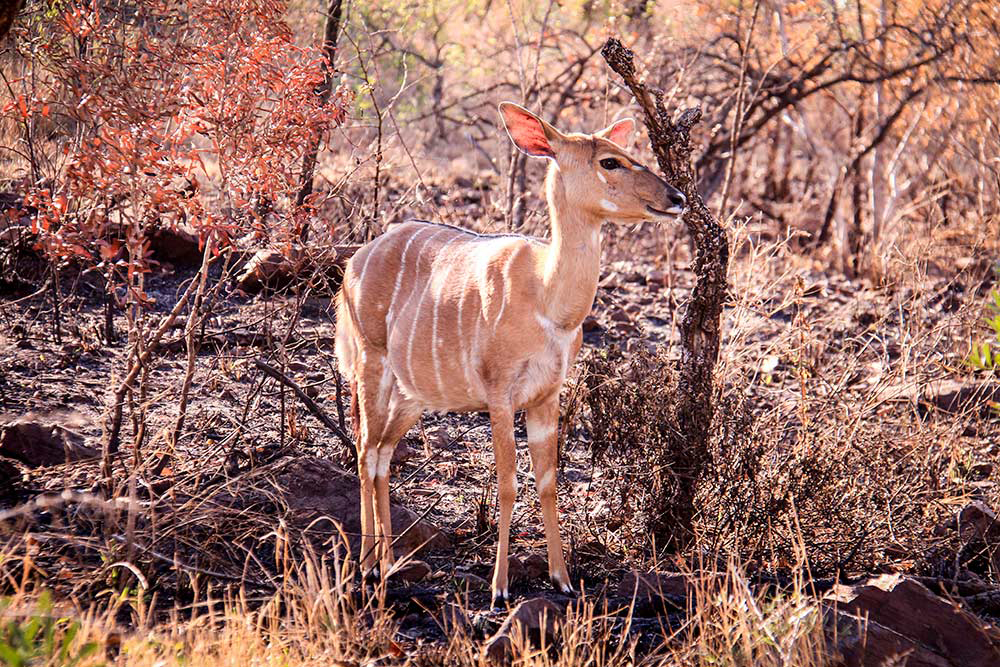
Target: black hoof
[371, 577]
[565, 589]
[499, 601]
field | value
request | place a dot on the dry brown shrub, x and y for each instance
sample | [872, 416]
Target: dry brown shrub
[773, 489]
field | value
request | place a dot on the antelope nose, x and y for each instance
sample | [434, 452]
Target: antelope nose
[677, 199]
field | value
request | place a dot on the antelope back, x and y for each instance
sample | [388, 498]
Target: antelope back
[443, 305]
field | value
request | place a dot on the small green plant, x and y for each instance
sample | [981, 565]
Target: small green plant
[985, 355]
[41, 638]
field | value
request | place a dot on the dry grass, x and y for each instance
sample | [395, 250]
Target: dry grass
[318, 617]
[829, 457]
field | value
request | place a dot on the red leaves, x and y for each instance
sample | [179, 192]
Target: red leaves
[203, 122]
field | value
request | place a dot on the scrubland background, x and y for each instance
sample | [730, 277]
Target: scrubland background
[849, 148]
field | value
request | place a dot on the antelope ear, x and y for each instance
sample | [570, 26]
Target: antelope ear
[618, 132]
[530, 134]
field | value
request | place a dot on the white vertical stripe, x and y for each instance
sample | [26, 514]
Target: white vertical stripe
[463, 343]
[416, 313]
[434, 326]
[506, 281]
[474, 360]
[364, 265]
[399, 275]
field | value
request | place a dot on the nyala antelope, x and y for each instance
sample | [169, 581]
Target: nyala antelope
[434, 317]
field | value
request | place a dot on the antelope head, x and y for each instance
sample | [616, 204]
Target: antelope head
[594, 172]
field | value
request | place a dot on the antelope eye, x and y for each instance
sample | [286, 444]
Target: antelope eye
[610, 163]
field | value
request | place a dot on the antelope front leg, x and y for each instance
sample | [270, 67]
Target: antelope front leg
[543, 442]
[505, 453]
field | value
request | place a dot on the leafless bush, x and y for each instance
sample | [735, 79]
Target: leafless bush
[631, 404]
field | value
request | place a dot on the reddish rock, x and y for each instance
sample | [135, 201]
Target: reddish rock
[536, 566]
[9, 479]
[515, 569]
[905, 619]
[177, 244]
[411, 571]
[402, 453]
[471, 582]
[39, 442]
[267, 269]
[535, 621]
[619, 315]
[653, 586]
[314, 489]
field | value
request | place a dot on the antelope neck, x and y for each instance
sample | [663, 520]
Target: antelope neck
[572, 259]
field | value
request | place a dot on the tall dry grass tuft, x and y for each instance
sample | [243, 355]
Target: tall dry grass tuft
[320, 617]
[735, 625]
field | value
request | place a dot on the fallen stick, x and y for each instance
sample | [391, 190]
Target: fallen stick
[310, 404]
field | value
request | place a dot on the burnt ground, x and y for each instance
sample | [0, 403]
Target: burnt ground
[793, 327]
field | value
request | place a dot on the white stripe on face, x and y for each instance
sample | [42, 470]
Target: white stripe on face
[609, 206]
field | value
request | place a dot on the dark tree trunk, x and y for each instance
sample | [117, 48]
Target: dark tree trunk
[330, 35]
[8, 12]
[700, 327]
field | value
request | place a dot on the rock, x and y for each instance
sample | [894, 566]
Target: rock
[267, 269]
[590, 324]
[455, 619]
[626, 329]
[412, 571]
[9, 479]
[272, 269]
[535, 621]
[619, 315]
[981, 470]
[956, 397]
[40, 442]
[178, 244]
[471, 582]
[655, 586]
[536, 566]
[905, 617]
[635, 277]
[656, 277]
[401, 454]
[515, 569]
[948, 396]
[636, 345]
[438, 437]
[314, 488]
[977, 522]
[859, 644]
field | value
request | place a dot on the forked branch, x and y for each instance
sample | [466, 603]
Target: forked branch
[700, 326]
